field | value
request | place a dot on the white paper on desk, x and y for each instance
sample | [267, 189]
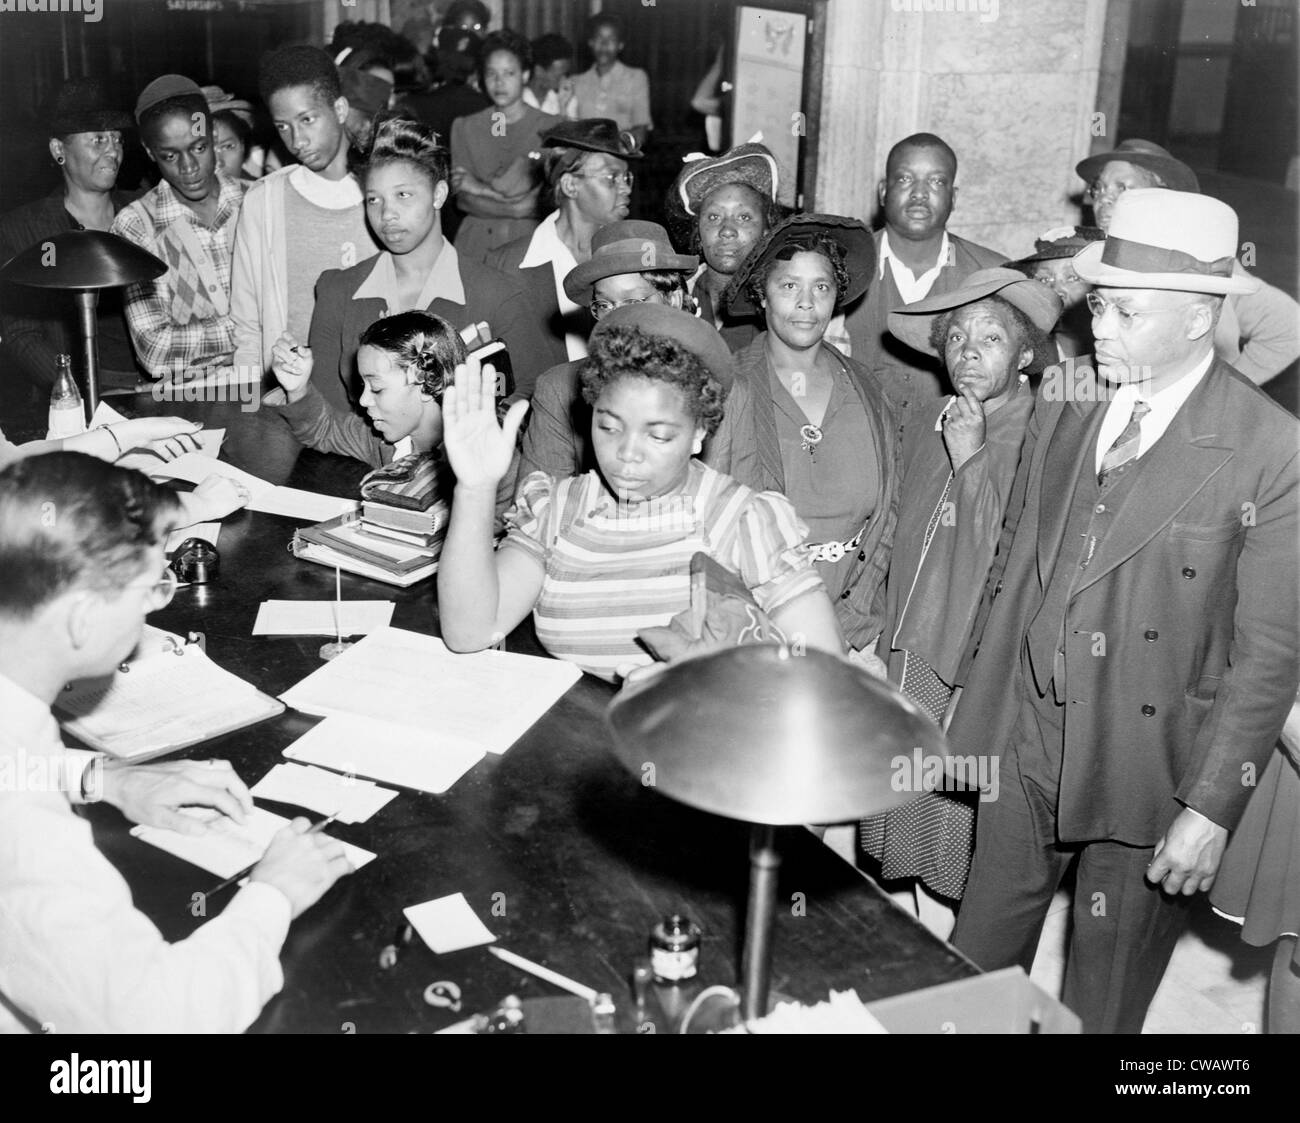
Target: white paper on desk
[448, 924]
[421, 759]
[489, 698]
[317, 617]
[162, 701]
[227, 847]
[194, 468]
[288, 501]
[209, 532]
[294, 503]
[302, 785]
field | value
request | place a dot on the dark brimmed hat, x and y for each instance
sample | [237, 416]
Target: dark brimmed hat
[164, 88]
[751, 165]
[1041, 305]
[81, 105]
[630, 246]
[593, 134]
[701, 339]
[1176, 175]
[849, 233]
[1060, 242]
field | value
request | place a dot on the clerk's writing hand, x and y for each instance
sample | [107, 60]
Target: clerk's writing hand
[302, 866]
[1187, 858]
[154, 794]
[291, 365]
[479, 448]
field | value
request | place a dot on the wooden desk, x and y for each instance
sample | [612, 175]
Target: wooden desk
[562, 853]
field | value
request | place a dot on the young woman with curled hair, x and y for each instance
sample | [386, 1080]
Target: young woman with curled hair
[405, 188]
[405, 362]
[602, 558]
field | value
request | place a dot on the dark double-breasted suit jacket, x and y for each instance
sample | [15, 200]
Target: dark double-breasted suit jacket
[1181, 633]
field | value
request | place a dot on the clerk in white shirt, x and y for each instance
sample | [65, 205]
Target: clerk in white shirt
[80, 562]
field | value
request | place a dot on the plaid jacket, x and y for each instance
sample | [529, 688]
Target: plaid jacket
[180, 323]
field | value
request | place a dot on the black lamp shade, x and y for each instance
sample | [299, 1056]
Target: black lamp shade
[760, 734]
[82, 259]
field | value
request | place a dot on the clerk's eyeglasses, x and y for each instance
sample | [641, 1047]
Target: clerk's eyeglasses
[159, 591]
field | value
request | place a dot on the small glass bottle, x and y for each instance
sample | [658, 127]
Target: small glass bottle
[674, 950]
[67, 415]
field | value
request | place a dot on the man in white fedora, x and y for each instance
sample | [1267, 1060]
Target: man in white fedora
[1140, 654]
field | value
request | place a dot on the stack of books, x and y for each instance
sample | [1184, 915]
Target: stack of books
[394, 544]
[424, 529]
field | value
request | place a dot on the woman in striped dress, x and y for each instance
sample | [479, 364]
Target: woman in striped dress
[599, 557]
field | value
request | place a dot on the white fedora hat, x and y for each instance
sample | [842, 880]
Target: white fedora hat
[1161, 239]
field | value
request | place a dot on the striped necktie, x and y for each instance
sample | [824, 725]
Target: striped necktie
[1125, 448]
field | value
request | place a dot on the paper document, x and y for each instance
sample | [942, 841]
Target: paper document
[422, 759]
[448, 924]
[171, 695]
[354, 799]
[318, 617]
[227, 847]
[488, 699]
[288, 501]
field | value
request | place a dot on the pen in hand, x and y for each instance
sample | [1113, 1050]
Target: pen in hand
[315, 828]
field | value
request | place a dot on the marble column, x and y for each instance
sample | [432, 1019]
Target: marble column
[1011, 85]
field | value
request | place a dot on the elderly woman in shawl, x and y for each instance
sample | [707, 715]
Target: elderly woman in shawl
[959, 461]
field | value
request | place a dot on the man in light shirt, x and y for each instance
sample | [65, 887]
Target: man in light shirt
[917, 258]
[1143, 646]
[81, 554]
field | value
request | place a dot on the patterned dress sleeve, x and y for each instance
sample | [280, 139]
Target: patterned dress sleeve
[769, 552]
[527, 520]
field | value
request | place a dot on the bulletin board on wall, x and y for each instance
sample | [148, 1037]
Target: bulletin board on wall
[774, 87]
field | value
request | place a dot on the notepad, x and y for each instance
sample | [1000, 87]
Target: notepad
[488, 699]
[291, 502]
[228, 847]
[322, 617]
[448, 924]
[424, 760]
[355, 800]
[170, 696]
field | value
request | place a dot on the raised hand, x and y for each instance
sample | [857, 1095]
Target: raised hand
[479, 448]
[291, 365]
